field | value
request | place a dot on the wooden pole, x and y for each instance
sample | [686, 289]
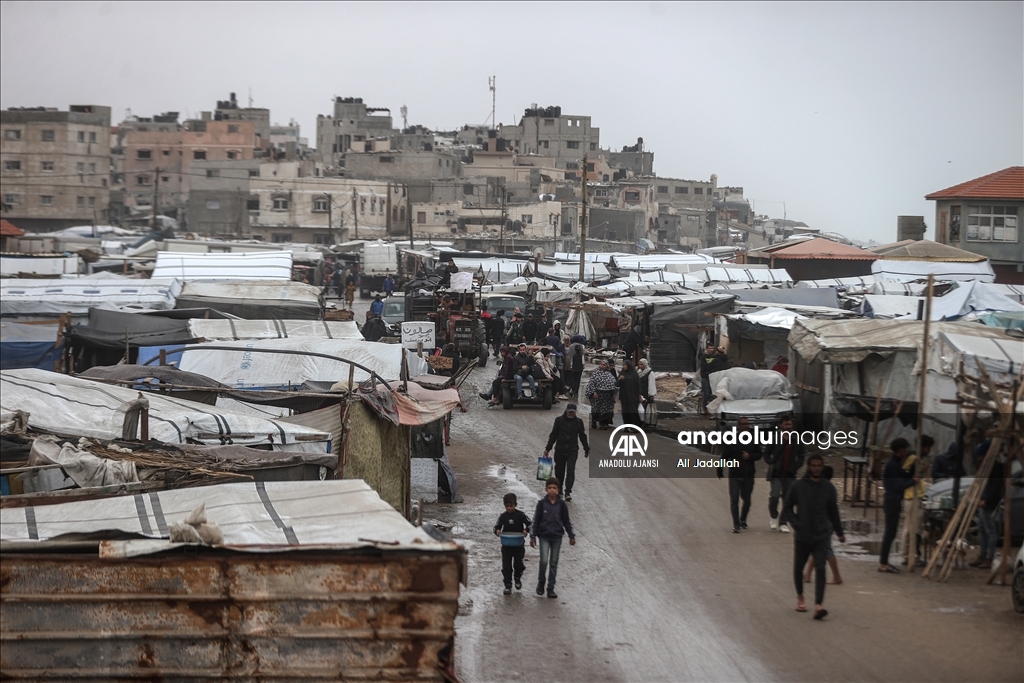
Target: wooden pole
[583, 223]
[923, 364]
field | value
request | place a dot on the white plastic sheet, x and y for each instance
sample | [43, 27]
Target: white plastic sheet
[250, 363]
[980, 271]
[266, 265]
[55, 297]
[272, 329]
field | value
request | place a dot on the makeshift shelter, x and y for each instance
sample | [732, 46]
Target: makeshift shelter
[108, 336]
[960, 271]
[212, 330]
[305, 572]
[817, 258]
[30, 346]
[677, 325]
[263, 265]
[53, 298]
[72, 406]
[255, 299]
[759, 336]
[36, 265]
[825, 297]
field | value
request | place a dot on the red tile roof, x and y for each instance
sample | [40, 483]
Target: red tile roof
[821, 248]
[1005, 184]
[8, 229]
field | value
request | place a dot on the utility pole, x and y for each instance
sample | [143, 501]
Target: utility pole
[355, 212]
[330, 223]
[408, 213]
[504, 216]
[583, 221]
[156, 199]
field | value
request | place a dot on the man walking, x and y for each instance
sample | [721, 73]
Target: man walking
[712, 361]
[812, 509]
[389, 285]
[550, 522]
[784, 459]
[741, 477]
[566, 434]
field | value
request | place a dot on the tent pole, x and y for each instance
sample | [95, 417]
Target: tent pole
[914, 511]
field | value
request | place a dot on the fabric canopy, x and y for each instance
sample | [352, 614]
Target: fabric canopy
[272, 329]
[113, 329]
[28, 346]
[255, 299]
[263, 265]
[942, 270]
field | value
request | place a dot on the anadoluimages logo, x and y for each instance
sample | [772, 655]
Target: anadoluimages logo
[625, 441]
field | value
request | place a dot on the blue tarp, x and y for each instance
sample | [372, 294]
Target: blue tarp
[28, 346]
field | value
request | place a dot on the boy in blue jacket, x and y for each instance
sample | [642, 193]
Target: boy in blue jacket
[550, 522]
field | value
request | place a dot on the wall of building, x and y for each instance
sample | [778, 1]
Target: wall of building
[55, 166]
[218, 201]
[352, 123]
[399, 165]
[564, 137]
[962, 223]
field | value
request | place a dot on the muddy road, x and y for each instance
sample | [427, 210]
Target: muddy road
[658, 588]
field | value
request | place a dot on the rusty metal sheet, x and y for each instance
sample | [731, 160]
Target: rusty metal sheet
[312, 615]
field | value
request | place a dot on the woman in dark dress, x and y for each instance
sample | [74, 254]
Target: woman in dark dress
[629, 394]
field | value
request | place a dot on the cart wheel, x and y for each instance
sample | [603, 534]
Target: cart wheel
[506, 398]
[549, 393]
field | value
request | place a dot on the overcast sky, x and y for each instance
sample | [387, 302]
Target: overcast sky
[848, 113]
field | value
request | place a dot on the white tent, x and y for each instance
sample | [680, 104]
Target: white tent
[210, 330]
[253, 364]
[942, 270]
[267, 265]
[56, 297]
[72, 406]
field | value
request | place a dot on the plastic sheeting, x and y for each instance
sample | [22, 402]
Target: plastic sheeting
[39, 265]
[737, 384]
[971, 298]
[255, 299]
[263, 265]
[980, 271]
[848, 285]
[954, 354]
[358, 518]
[889, 306]
[799, 296]
[72, 406]
[248, 363]
[776, 318]
[28, 346]
[114, 329]
[56, 297]
[211, 330]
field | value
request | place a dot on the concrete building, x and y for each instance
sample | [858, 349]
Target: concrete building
[388, 164]
[984, 216]
[287, 140]
[295, 202]
[684, 194]
[219, 201]
[159, 153]
[228, 110]
[546, 131]
[55, 166]
[633, 159]
[351, 126]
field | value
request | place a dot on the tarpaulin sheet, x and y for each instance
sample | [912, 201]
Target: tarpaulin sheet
[736, 384]
[942, 270]
[38, 265]
[287, 514]
[114, 329]
[72, 406]
[889, 306]
[850, 285]
[56, 297]
[955, 354]
[971, 298]
[264, 265]
[676, 327]
[28, 346]
[247, 367]
[272, 329]
[800, 296]
[84, 468]
[255, 299]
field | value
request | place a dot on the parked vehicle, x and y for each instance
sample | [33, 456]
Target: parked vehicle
[376, 260]
[938, 504]
[761, 396]
[393, 316]
[508, 302]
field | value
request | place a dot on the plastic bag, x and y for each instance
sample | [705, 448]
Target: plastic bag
[544, 468]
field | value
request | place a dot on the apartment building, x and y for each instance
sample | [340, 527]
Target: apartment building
[548, 132]
[55, 166]
[349, 128]
[219, 201]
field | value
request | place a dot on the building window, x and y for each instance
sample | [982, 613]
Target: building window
[92, 169]
[14, 165]
[992, 223]
[80, 167]
[467, 188]
[12, 199]
[232, 154]
[213, 173]
[590, 167]
[232, 127]
[280, 237]
[143, 154]
[322, 239]
[199, 154]
[601, 193]
[166, 152]
[11, 134]
[593, 146]
[280, 204]
[698, 190]
[254, 173]
[48, 136]
[320, 204]
[526, 218]
[92, 137]
[213, 204]
[421, 217]
[92, 202]
[142, 180]
[632, 195]
[80, 201]
[387, 160]
[572, 166]
[549, 122]
[166, 179]
[682, 190]
[46, 200]
[362, 205]
[252, 204]
[81, 136]
[544, 144]
[572, 144]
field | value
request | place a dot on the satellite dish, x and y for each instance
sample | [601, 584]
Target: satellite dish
[538, 253]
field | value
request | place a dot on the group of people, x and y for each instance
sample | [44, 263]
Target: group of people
[631, 386]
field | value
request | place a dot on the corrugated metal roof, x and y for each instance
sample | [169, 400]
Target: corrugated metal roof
[1005, 184]
[820, 248]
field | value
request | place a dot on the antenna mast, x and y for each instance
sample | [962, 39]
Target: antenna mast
[405, 116]
[492, 84]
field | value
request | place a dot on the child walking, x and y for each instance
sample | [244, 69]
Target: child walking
[550, 522]
[512, 527]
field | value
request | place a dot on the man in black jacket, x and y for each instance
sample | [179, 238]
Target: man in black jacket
[565, 436]
[741, 477]
[784, 459]
[896, 480]
[530, 329]
[712, 361]
[814, 519]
